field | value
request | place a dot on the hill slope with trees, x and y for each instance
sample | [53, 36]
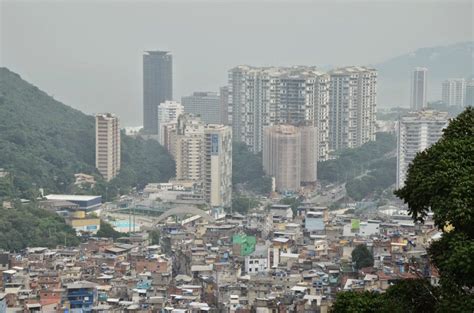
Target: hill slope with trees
[366, 169]
[439, 180]
[43, 143]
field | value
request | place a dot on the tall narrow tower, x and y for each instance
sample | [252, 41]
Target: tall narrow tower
[418, 89]
[107, 145]
[157, 86]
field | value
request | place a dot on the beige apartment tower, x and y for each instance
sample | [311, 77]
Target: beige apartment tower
[188, 149]
[282, 156]
[217, 178]
[107, 145]
[309, 154]
[203, 153]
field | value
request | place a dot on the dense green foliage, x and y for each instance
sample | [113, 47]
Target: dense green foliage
[29, 226]
[367, 169]
[6, 188]
[362, 257]
[406, 296]
[155, 237]
[143, 161]
[351, 163]
[43, 143]
[359, 302]
[247, 170]
[412, 296]
[107, 231]
[293, 202]
[440, 179]
[381, 175]
[242, 204]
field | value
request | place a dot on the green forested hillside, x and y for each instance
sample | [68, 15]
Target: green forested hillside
[369, 168]
[44, 142]
[29, 226]
[247, 170]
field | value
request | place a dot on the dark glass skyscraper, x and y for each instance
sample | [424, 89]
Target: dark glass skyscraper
[157, 86]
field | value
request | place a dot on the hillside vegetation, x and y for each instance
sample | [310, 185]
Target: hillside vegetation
[28, 226]
[43, 143]
[369, 168]
[247, 170]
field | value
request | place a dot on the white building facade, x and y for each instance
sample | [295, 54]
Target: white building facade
[203, 153]
[217, 157]
[266, 96]
[352, 107]
[256, 264]
[168, 113]
[417, 131]
[453, 92]
[206, 105]
[188, 148]
[107, 145]
[469, 97]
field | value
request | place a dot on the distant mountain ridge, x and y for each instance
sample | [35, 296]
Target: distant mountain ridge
[43, 142]
[443, 62]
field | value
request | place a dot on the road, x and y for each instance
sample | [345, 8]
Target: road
[327, 197]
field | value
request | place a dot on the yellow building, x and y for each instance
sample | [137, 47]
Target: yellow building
[84, 224]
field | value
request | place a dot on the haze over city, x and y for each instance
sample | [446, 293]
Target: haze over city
[236, 156]
[89, 54]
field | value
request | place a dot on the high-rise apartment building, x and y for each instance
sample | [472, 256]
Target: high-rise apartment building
[203, 153]
[469, 97]
[107, 145]
[352, 107]
[157, 86]
[168, 113]
[290, 156]
[266, 96]
[282, 156]
[224, 99]
[309, 153]
[419, 87]
[453, 92]
[189, 147]
[417, 131]
[217, 176]
[206, 105]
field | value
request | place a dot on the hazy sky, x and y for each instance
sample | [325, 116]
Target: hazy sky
[88, 54]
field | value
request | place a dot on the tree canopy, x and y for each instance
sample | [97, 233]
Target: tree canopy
[405, 296]
[242, 204]
[362, 257]
[441, 179]
[43, 143]
[107, 231]
[28, 226]
[247, 170]
[367, 169]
